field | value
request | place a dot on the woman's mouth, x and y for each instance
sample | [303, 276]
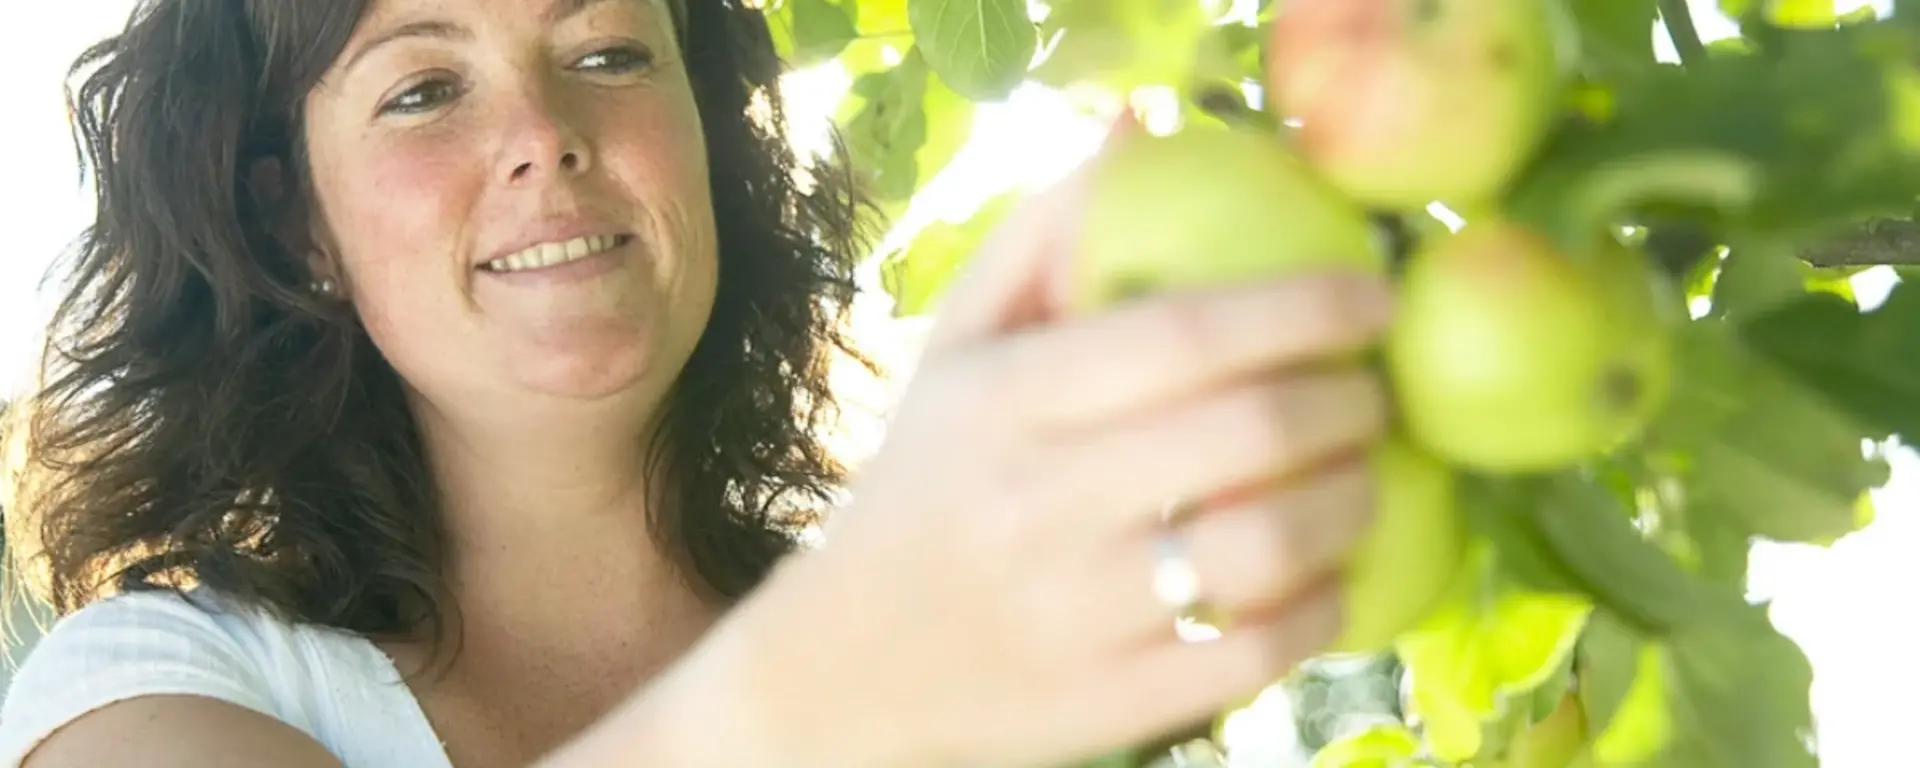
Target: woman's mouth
[552, 254]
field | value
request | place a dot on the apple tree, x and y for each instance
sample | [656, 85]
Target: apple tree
[1628, 331]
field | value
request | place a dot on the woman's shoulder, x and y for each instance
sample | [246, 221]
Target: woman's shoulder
[197, 629]
[165, 642]
[138, 644]
[157, 621]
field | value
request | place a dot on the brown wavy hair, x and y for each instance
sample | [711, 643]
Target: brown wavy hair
[201, 418]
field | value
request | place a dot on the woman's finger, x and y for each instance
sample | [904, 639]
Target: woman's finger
[1010, 280]
[1123, 475]
[1249, 557]
[1183, 682]
[1146, 354]
[1005, 285]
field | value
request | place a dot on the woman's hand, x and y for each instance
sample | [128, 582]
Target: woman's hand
[988, 598]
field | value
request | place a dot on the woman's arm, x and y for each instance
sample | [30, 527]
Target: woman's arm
[175, 731]
[731, 702]
[1004, 589]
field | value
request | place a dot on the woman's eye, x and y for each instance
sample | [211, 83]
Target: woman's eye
[421, 98]
[616, 60]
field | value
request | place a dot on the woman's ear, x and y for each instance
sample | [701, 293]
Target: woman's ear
[266, 182]
[327, 282]
[267, 185]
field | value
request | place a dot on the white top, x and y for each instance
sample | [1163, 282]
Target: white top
[339, 688]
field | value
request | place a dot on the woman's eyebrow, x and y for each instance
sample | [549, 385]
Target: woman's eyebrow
[434, 28]
[556, 12]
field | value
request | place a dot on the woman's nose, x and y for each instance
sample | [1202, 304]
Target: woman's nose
[544, 138]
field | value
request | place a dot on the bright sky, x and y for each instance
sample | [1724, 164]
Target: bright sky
[1860, 646]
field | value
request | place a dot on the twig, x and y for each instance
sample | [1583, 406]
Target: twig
[1678, 246]
[1870, 242]
[1686, 39]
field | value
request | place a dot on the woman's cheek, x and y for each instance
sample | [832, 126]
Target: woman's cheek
[398, 220]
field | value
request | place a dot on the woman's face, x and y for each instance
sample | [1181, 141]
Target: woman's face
[516, 192]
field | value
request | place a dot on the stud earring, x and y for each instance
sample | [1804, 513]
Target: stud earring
[323, 286]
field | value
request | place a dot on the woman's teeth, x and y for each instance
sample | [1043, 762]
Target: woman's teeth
[549, 254]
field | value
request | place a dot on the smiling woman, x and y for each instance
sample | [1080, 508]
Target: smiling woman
[441, 383]
[380, 242]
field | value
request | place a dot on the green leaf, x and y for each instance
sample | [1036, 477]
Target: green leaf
[883, 36]
[918, 275]
[867, 55]
[1606, 661]
[981, 48]
[1498, 514]
[1903, 104]
[1232, 53]
[822, 28]
[1787, 467]
[1616, 36]
[1711, 695]
[1801, 14]
[1868, 364]
[1837, 281]
[1756, 277]
[1489, 641]
[1641, 726]
[903, 126]
[1125, 44]
[1730, 46]
[1738, 696]
[1708, 377]
[883, 18]
[1755, 452]
[949, 118]
[1700, 280]
[1865, 13]
[1722, 544]
[1785, 145]
[809, 32]
[1548, 695]
[1388, 745]
[1865, 511]
[1590, 531]
[887, 125]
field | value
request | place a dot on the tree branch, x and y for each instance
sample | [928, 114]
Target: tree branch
[1678, 246]
[1870, 242]
[1686, 39]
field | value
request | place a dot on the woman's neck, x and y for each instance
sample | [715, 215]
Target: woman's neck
[549, 530]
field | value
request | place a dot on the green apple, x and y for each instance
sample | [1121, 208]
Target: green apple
[1558, 741]
[1406, 102]
[1210, 205]
[1645, 310]
[1404, 566]
[1509, 356]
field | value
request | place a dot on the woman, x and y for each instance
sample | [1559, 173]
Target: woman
[437, 388]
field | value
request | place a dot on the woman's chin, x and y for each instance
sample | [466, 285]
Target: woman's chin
[554, 370]
[585, 377]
